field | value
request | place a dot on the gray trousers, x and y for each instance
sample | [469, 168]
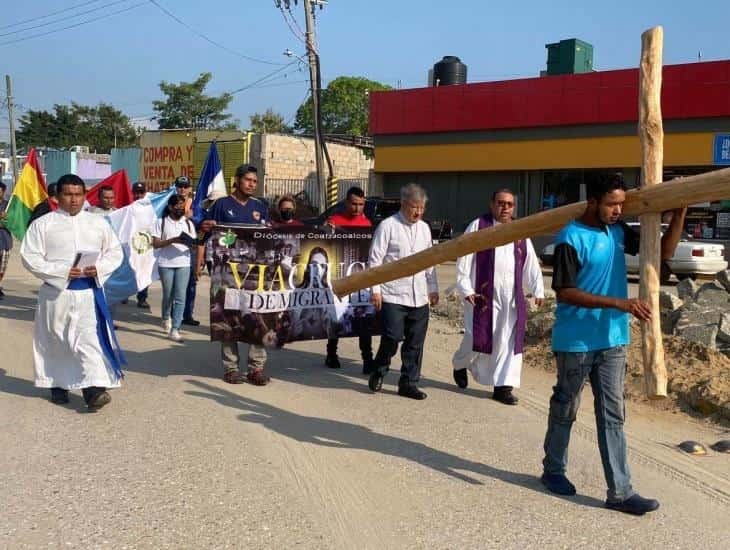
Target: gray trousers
[230, 357]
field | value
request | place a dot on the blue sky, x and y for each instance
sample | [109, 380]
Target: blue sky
[122, 58]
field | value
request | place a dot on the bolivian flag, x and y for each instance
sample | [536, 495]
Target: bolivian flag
[29, 191]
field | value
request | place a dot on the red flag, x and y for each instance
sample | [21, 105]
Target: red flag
[122, 190]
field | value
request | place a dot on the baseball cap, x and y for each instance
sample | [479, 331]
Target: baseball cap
[138, 186]
[245, 169]
[182, 181]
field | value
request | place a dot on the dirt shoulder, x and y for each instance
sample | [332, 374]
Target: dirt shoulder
[699, 378]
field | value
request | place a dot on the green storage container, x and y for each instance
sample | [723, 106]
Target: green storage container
[569, 56]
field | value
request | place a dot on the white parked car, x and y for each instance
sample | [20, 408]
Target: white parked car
[691, 258]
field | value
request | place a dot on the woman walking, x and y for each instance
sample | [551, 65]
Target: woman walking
[173, 235]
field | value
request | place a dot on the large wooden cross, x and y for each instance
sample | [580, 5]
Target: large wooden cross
[647, 202]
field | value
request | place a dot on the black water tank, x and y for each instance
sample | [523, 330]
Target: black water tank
[450, 70]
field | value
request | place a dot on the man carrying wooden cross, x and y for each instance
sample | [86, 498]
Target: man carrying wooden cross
[590, 336]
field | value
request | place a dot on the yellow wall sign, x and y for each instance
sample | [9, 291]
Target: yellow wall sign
[165, 156]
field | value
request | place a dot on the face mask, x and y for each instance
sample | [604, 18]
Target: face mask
[287, 215]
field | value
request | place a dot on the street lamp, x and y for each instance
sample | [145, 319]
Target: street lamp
[290, 54]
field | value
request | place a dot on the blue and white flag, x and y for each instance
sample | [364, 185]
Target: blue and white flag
[133, 226]
[211, 184]
[159, 200]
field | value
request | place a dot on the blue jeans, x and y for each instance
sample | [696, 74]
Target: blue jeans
[605, 369]
[174, 284]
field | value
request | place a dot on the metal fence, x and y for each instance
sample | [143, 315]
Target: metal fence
[308, 191]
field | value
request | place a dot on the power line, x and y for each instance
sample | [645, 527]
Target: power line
[298, 35]
[281, 84]
[104, 6]
[37, 35]
[275, 81]
[209, 40]
[30, 20]
[262, 79]
[293, 18]
[294, 114]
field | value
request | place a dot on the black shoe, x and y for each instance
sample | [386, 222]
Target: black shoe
[635, 505]
[504, 394]
[124, 302]
[411, 391]
[332, 362]
[375, 382]
[2, 294]
[368, 365]
[558, 484]
[59, 396]
[461, 378]
[96, 397]
[144, 305]
[192, 322]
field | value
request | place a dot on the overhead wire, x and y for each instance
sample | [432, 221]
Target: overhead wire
[51, 14]
[92, 20]
[298, 35]
[294, 114]
[208, 39]
[296, 23]
[48, 23]
[263, 78]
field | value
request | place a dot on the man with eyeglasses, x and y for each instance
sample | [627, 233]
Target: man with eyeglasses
[241, 208]
[404, 303]
[491, 282]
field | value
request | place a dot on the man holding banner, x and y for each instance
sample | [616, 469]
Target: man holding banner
[240, 208]
[404, 302]
[352, 216]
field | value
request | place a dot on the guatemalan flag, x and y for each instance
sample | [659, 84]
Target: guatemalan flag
[211, 184]
[133, 225]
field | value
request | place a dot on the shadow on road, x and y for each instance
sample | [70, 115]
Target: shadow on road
[18, 308]
[20, 386]
[343, 435]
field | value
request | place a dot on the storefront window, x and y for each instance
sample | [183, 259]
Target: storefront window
[560, 188]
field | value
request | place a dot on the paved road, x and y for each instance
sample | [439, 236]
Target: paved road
[180, 459]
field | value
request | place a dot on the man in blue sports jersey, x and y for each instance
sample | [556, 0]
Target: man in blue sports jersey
[590, 336]
[243, 208]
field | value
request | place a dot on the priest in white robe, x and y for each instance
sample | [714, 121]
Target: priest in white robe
[492, 284]
[73, 252]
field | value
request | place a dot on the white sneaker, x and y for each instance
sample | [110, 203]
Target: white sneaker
[167, 324]
[175, 335]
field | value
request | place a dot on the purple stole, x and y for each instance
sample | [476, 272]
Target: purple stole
[482, 327]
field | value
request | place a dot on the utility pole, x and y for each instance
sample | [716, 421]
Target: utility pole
[313, 82]
[13, 149]
[328, 186]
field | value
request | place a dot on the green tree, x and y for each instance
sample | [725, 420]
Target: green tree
[69, 125]
[344, 107]
[187, 106]
[269, 122]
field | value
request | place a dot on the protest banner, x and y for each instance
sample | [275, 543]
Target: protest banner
[273, 286]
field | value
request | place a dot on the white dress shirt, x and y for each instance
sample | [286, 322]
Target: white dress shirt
[394, 239]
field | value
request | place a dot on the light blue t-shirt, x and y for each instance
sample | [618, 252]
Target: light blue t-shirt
[600, 269]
